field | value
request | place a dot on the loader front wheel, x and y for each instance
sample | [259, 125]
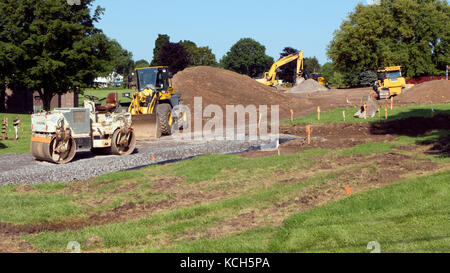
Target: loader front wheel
[164, 112]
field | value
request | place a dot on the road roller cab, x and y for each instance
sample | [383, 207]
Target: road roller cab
[58, 135]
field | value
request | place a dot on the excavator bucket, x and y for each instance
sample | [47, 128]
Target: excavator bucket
[146, 127]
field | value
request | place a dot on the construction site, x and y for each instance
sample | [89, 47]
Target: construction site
[349, 168]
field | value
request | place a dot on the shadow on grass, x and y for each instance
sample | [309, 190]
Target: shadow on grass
[3, 146]
[410, 124]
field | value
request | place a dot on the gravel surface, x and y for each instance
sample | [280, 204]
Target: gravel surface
[24, 169]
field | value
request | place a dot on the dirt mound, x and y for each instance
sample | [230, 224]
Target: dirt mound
[427, 93]
[223, 87]
[308, 86]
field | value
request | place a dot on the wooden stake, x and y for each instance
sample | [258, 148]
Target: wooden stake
[153, 157]
[365, 111]
[385, 111]
[292, 115]
[392, 103]
[308, 132]
[318, 112]
[279, 151]
[343, 115]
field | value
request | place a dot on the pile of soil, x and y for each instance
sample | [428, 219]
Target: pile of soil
[427, 93]
[308, 86]
[223, 87]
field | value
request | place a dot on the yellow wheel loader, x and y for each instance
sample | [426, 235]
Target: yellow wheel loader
[270, 78]
[319, 78]
[151, 107]
[390, 82]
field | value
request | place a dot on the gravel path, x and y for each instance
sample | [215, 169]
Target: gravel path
[23, 169]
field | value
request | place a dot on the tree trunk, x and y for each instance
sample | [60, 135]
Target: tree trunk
[2, 97]
[46, 97]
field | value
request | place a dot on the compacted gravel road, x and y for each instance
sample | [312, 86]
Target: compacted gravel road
[24, 169]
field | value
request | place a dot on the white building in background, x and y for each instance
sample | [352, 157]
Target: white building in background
[113, 80]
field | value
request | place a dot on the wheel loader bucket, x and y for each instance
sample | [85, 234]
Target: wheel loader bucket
[146, 127]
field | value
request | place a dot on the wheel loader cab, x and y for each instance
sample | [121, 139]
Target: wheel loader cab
[155, 78]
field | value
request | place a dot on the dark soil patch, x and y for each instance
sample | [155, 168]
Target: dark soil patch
[327, 136]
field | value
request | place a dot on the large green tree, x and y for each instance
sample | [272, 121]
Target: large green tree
[311, 64]
[159, 43]
[57, 45]
[247, 57]
[411, 33]
[198, 55]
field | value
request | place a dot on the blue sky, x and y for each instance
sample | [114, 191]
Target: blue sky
[307, 25]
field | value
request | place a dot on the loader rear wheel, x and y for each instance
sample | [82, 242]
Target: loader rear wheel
[123, 142]
[164, 112]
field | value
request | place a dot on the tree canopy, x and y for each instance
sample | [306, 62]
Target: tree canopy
[247, 57]
[198, 55]
[311, 64]
[141, 63]
[412, 33]
[174, 56]
[162, 40]
[56, 46]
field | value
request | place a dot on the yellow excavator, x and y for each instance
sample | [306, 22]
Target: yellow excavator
[152, 104]
[270, 78]
[390, 82]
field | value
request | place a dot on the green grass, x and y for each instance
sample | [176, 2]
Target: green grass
[11, 146]
[103, 93]
[409, 216]
[336, 116]
[344, 226]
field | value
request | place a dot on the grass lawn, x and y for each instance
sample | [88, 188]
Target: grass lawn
[336, 115]
[103, 93]
[191, 202]
[11, 146]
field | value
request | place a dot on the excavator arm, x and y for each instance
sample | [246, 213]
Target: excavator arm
[270, 77]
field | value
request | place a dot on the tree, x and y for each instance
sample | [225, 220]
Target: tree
[287, 72]
[57, 45]
[162, 40]
[327, 71]
[141, 63]
[122, 59]
[412, 33]
[198, 55]
[247, 57]
[367, 78]
[174, 56]
[311, 64]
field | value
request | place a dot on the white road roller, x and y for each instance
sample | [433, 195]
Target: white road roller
[58, 135]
